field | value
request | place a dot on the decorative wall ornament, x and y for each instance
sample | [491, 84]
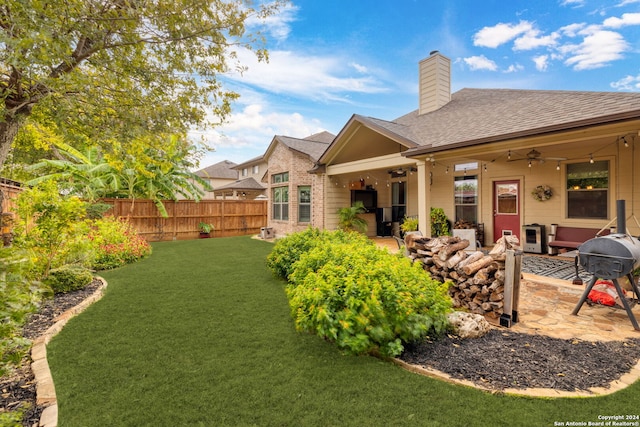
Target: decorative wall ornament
[542, 193]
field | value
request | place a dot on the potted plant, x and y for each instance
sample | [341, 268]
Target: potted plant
[348, 218]
[439, 222]
[409, 224]
[205, 229]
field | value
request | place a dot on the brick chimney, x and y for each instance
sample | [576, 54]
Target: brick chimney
[435, 82]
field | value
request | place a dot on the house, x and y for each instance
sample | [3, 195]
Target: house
[502, 158]
[295, 195]
[218, 175]
[249, 185]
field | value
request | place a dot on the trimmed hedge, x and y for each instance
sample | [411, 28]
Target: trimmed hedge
[68, 278]
[363, 298]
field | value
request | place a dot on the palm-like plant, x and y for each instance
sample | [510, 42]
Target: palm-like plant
[151, 174]
[348, 218]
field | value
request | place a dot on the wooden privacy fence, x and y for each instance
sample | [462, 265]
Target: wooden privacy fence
[229, 217]
[10, 191]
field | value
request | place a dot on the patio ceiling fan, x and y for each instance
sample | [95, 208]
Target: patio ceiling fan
[533, 156]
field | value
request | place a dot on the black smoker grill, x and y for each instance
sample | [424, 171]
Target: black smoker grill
[611, 257]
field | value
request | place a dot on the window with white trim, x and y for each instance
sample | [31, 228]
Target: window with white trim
[304, 203]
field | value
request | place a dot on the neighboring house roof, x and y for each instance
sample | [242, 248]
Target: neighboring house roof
[251, 162]
[312, 146]
[246, 184]
[222, 170]
[477, 116]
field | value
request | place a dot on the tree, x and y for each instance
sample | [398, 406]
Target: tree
[115, 70]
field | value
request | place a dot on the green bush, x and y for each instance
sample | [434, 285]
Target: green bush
[288, 250]
[19, 297]
[68, 278]
[51, 228]
[364, 298]
[116, 243]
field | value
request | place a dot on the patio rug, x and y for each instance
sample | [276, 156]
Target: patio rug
[558, 268]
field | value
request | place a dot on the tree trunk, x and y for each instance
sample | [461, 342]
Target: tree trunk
[8, 130]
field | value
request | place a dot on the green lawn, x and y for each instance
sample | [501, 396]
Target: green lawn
[199, 334]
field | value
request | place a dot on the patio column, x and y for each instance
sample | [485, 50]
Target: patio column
[424, 190]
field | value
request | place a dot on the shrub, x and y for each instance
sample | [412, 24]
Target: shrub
[116, 243]
[288, 250]
[68, 278]
[364, 298]
[19, 297]
[51, 228]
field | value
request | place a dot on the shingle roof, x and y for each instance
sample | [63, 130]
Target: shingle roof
[313, 145]
[242, 184]
[475, 116]
[221, 169]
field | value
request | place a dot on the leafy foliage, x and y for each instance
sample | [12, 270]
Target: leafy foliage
[348, 218]
[134, 172]
[19, 296]
[288, 250]
[357, 295]
[51, 228]
[115, 71]
[68, 278]
[116, 243]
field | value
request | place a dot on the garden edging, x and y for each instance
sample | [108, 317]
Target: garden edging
[45, 388]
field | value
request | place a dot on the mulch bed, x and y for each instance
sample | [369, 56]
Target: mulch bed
[501, 360]
[19, 389]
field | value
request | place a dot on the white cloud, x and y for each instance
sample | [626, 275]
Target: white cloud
[533, 40]
[629, 83]
[514, 68]
[596, 50]
[542, 62]
[627, 19]
[500, 34]
[572, 30]
[576, 3]
[480, 63]
[627, 2]
[359, 68]
[276, 25]
[321, 78]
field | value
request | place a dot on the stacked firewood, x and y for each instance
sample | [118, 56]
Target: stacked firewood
[477, 278]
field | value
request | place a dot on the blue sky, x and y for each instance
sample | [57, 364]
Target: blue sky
[331, 59]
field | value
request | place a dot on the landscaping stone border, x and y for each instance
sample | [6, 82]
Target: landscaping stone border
[45, 389]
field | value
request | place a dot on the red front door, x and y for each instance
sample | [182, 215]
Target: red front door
[506, 208]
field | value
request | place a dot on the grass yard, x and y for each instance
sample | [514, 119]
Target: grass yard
[199, 334]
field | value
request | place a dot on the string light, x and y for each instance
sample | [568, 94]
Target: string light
[558, 166]
[485, 167]
[529, 163]
[509, 155]
[591, 158]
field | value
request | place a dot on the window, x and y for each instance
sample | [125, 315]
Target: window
[588, 190]
[466, 198]
[280, 196]
[256, 169]
[244, 171]
[304, 204]
[398, 201]
[280, 203]
[280, 177]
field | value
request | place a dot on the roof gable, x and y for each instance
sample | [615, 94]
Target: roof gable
[312, 146]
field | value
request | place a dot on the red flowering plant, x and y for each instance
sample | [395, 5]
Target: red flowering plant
[117, 243]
